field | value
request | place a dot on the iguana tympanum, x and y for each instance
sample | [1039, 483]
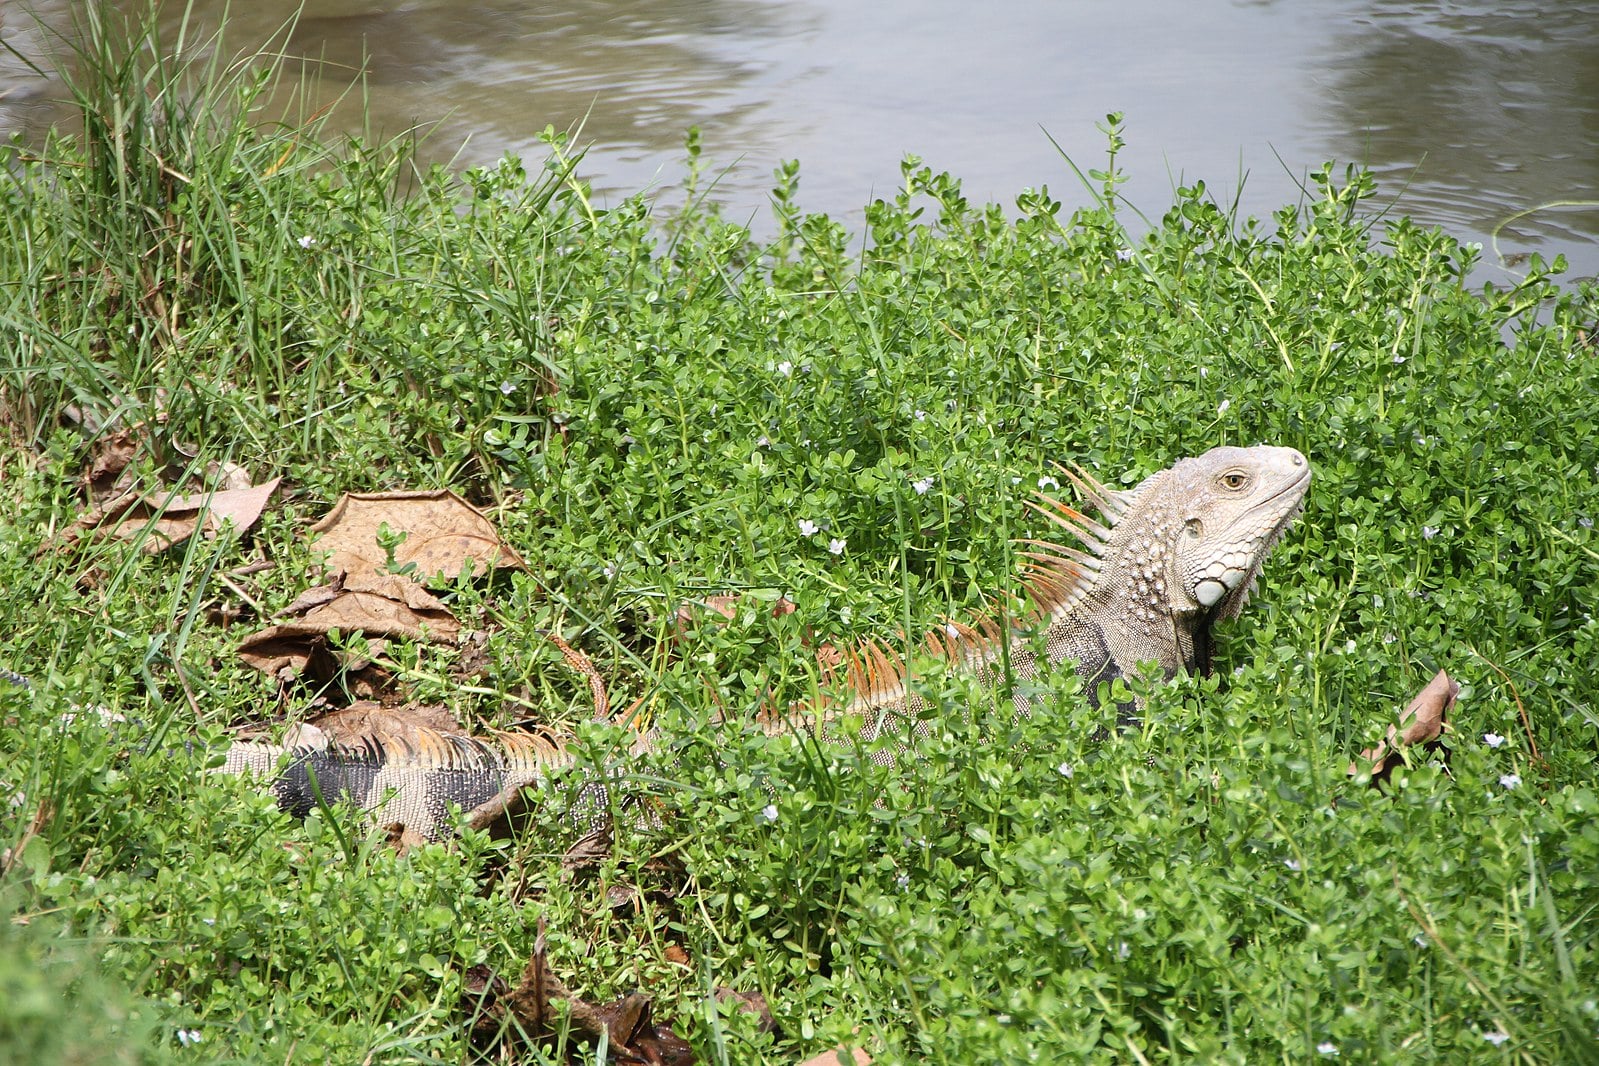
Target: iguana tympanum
[1143, 584]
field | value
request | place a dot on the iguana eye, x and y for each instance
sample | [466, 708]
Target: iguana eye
[1235, 480]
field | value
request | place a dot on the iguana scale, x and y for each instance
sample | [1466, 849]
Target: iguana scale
[1143, 584]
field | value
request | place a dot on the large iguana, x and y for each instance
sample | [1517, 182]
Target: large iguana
[1143, 584]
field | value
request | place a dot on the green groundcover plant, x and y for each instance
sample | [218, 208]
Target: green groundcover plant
[658, 406]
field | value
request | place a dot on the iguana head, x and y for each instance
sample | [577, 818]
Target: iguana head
[1228, 508]
[1166, 559]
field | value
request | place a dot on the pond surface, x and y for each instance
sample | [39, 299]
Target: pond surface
[1469, 112]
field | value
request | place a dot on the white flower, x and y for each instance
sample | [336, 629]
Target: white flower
[764, 442]
[188, 1036]
[1493, 740]
[1510, 780]
[1327, 1047]
[1047, 482]
[1292, 864]
[785, 368]
[1419, 940]
[1204, 371]
[1428, 532]
[608, 570]
[1124, 254]
[836, 545]
[1221, 408]
[507, 387]
[921, 416]
[922, 486]
[304, 242]
[1399, 359]
[1496, 1037]
[1585, 522]
[1065, 769]
[769, 812]
[903, 881]
[807, 527]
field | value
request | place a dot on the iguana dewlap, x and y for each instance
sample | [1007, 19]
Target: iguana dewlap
[1144, 583]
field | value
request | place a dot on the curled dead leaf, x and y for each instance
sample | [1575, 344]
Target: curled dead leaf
[376, 605]
[157, 523]
[541, 1007]
[1423, 722]
[443, 533]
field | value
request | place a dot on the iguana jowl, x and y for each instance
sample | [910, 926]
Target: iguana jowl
[1143, 584]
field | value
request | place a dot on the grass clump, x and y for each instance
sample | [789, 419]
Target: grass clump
[657, 409]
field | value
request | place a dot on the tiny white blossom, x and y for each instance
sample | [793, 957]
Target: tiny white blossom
[1510, 780]
[1292, 864]
[903, 881]
[1496, 1037]
[1327, 1047]
[1428, 532]
[764, 442]
[1585, 522]
[1493, 740]
[922, 486]
[1124, 254]
[807, 527]
[951, 629]
[1419, 940]
[1388, 638]
[769, 812]
[507, 387]
[608, 570]
[921, 416]
[1047, 482]
[1398, 359]
[1204, 371]
[785, 368]
[836, 545]
[188, 1036]
[1065, 769]
[1221, 408]
[1124, 950]
[304, 242]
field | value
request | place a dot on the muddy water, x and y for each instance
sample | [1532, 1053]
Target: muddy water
[1469, 111]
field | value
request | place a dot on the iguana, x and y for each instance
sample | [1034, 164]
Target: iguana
[1143, 584]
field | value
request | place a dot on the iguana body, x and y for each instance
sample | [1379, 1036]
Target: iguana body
[1144, 584]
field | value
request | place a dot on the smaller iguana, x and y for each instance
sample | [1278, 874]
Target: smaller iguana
[1145, 583]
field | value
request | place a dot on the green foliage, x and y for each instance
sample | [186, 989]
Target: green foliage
[656, 409]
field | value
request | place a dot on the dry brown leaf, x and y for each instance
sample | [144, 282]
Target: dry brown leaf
[626, 1024]
[725, 604]
[443, 532]
[228, 475]
[156, 525]
[839, 1055]
[377, 605]
[1422, 722]
[104, 479]
[750, 1002]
